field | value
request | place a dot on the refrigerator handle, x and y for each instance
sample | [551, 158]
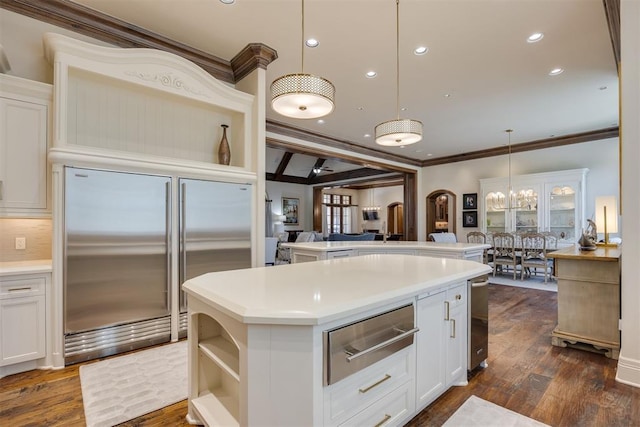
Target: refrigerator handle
[167, 225]
[183, 232]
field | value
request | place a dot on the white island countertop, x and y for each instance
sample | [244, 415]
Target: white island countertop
[379, 244]
[318, 292]
[8, 268]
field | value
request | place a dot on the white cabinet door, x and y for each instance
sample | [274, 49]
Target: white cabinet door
[431, 344]
[22, 329]
[23, 153]
[456, 317]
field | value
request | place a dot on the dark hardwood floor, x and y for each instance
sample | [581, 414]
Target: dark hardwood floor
[557, 386]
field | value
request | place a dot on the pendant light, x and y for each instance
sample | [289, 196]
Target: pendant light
[302, 96]
[399, 131]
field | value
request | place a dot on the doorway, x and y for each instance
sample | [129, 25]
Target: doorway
[441, 212]
[395, 218]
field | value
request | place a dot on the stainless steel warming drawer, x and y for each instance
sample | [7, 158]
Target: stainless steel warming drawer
[351, 348]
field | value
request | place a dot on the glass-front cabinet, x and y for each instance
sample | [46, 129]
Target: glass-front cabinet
[550, 202]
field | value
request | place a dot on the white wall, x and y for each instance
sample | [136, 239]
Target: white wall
[278, 190]
[382, 197]
[629, 362]
[600, 157]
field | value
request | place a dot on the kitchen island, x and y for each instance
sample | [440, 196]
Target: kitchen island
[313, 251]
[259, 340]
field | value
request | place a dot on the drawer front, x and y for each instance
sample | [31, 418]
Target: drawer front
[353, 394]
[457, 296]
[392, 410]
[15, 288]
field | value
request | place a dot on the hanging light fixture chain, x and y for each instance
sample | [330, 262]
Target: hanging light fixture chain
[510, 189]
[302, 39]
[398, 58]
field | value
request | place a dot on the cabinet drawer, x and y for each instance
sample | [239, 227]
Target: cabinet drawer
[391, 410]
[457, 296]
[14, 288]
[351, 395]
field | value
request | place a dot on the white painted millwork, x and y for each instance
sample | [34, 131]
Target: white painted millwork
[245, 339]
[24, 134]
[149, 111]
[24, 287]
[314, 251]
[559, 205]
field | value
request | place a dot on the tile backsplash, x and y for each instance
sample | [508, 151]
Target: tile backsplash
[37, 233]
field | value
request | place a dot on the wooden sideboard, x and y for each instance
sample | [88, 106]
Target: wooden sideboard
[588, 299]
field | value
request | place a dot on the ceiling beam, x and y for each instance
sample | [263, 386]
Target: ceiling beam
[284, 162]
[612, 10]
[347, 175]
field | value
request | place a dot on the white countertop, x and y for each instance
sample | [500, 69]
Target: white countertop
[317, 292]
[379, 244]
[25, 267]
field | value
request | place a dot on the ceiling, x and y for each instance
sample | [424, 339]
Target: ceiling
[479, 77]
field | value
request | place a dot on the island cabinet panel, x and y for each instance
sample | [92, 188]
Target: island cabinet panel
[441, 353]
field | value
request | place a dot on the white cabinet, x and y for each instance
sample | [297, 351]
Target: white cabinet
[441, 345]
[24, 127]
[552, 201]
[22, 318]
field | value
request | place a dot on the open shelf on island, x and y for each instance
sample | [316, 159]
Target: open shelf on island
[213, 407]
[223, 352]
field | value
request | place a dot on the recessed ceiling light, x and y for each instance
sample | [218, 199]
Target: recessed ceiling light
[320, 121]
[227, 1]
[447, 95]
[312, 42]
[421, 50]
[402, 146]
[360, 108]
[367, 135]
[556, 71]
[371, 74]
[403, 109]
[429, 155]
[535, 37]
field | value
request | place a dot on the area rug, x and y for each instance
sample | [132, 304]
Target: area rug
[476, 412]
[528, 282]
[122, 388]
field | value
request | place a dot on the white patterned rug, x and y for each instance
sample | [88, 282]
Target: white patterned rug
[476, 412]
[121, 388]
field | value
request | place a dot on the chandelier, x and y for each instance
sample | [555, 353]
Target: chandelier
[301, 95]
[399, 131]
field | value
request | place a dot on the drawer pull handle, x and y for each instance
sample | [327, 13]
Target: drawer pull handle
[479, 284]
[446, 315]
[458, 297]
[364, 390]
[453, 328]
[354, 355]
[19, 289]
[386, 418]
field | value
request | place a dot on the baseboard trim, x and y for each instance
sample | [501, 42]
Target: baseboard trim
[628, 371]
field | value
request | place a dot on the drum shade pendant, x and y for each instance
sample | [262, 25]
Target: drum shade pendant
[399, 131]
[302, 96]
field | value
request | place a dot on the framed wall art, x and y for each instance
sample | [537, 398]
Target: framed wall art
[290, 210]
[470, 201]
[470, 219]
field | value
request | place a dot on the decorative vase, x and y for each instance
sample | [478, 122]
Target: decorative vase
[224, 152]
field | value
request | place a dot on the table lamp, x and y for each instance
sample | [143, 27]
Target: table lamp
[607, 217]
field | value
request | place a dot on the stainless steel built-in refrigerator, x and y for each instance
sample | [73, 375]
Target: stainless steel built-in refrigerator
[118, 253]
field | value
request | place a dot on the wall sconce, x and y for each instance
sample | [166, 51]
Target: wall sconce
[607, 217]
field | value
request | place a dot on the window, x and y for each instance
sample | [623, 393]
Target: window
[339, 216]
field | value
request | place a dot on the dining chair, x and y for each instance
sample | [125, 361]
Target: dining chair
[480, 237]
[534, 255]
[504, 252]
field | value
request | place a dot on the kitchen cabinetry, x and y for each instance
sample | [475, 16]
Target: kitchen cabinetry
[24, 122]
[22, 314]
[441, 343]
[244, 340]
[552, 201]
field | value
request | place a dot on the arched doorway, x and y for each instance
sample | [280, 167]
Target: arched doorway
[441, 212]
